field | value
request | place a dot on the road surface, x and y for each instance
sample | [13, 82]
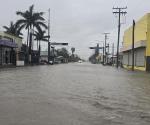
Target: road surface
[74, 94]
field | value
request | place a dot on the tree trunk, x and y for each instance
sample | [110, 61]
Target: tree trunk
[30, 45]
[37, 45]
[39, 50]
[27, 47]
[28, 37]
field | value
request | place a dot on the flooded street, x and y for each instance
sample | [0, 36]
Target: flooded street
[74, 94]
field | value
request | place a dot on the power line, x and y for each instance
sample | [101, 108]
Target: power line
[120, 11]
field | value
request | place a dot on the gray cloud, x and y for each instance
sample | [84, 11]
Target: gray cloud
[79, 22]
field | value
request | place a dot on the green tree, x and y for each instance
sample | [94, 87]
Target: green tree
[72, 50]
[40, 36]
[13, 29]
[29, 21]
[63, 52]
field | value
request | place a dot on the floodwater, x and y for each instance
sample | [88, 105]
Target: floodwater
[74, 94]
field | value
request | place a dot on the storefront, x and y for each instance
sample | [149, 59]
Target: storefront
[139, 57]
[141, 45]
[7, 52]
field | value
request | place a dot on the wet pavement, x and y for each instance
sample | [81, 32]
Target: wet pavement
[74, 94]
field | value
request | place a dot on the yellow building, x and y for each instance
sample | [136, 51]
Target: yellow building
[141, 46]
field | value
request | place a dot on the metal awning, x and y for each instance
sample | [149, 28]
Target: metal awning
[8, 43]
[138, 44]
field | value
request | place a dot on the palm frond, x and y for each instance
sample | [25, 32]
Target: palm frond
[44, 39]
[6, 28]
[31, 9]
[42, 24]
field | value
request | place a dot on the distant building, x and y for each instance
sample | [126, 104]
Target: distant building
[44, 56]
[10, 46]
[112, 60]
[142, 45]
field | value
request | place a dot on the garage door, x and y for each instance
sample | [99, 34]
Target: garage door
[125, 58]
[140, 57]
[130, 58]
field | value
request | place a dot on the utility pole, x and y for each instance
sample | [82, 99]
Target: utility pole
[103, 53]
[102, 49]
[112, 53]
[108, 47]
[107, 51]
[133, 33]
[119, 11]
[49, 35]
[106, 37]
[97, 48]
[53, 48]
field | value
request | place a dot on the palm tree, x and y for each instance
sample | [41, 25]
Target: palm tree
[72, 50]
[30, 21]
[13, 29]
[40, 36]
[63, 52]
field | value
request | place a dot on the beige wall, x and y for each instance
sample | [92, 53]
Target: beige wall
[16, 39]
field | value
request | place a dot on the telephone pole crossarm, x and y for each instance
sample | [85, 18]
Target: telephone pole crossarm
[120, 11]
[120, 7]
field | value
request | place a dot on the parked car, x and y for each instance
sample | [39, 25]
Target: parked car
[80, 61]
[43, 62]
[51, 62]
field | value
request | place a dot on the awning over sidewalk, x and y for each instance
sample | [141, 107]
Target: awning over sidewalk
[8, 43]
[138, 44]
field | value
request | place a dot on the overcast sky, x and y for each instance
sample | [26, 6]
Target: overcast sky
[79, 22]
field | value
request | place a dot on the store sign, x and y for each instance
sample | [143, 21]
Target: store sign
[8, 43]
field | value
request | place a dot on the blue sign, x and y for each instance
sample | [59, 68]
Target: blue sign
[8, 43]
